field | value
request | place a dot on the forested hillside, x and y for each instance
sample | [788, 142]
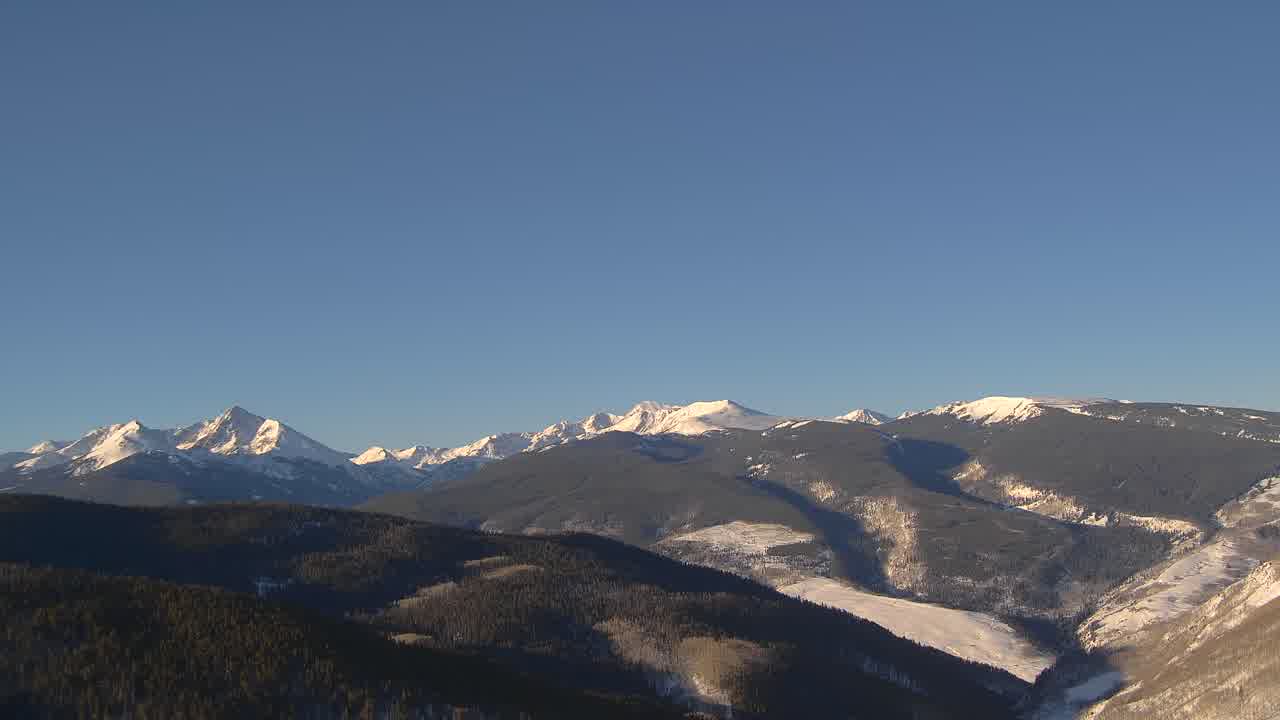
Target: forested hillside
[577, 612]
[84, 645]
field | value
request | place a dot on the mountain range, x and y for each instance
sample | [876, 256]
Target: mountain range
[1080, 544]
[266, 446]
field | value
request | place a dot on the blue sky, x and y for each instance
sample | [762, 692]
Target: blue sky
[424, 222]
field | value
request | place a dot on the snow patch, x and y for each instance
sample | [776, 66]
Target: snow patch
[744, 537]
[962, 633]
[1095, 688]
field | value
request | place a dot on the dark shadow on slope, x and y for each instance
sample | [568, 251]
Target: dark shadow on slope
[1077, 680]
[666, 449]
[928, 465]
[925, 463]
[854, 550]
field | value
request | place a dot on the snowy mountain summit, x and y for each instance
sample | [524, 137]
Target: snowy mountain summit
[238, 432]
[863, 415]
[699, 418]
[998, 409]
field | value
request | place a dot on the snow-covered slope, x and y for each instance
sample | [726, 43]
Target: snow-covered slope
[1249, 534]
[970, 635]
[1217, 661]
[998, 409]
[748, 549]
[863, 415]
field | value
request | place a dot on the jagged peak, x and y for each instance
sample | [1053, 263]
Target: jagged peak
[239, 416]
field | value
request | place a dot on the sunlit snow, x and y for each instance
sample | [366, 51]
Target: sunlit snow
[965, 634]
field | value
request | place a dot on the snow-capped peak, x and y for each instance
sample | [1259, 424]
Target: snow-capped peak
[650, 418]
[493, 446]
[863, 415]
[102, 447]
[998, 409]
[46, 446]
[235, 428]
[417, 457]
[421, 456]
[564, 431]
[123, 441]
[375, 454]
[599, 422]
[235, 433]
[238, 432]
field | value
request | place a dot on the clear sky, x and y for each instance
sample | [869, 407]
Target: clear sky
[423, 222]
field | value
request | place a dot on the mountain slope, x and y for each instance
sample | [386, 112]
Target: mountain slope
[1079, 466]
[156, 649]
[1260, 425]
[157, 478]
[861, 506]
[579, 611]
[1217, 662]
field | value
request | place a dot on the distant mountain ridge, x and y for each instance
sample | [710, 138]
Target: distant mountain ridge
[234, 435]
[263, 458]
[645, 418]
[268, 459]
[241, 436]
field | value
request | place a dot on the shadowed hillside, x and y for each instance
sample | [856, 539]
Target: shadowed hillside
[579, 612]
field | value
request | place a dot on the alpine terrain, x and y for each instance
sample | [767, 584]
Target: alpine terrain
[1040, 557]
